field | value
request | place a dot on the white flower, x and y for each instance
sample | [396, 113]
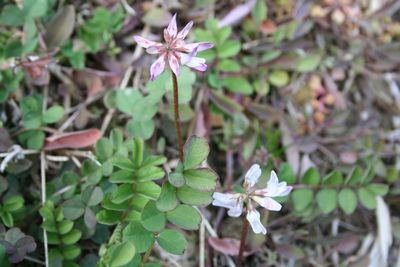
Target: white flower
[253, 217]
[232, 202]
[263, 197]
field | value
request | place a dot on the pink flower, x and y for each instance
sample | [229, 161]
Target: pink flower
[262, 197]
[175, 51]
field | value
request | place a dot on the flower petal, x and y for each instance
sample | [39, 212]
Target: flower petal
[276, 189]
[155, 49]
[157, 67]
[252, 175]
[267, 203]
[174, 64]
[182, 34]
[143, 42]
[253, 217]
[172, 29]
[229, 201]
[197, 63]
[200, 46]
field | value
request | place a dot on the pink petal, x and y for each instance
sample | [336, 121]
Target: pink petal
[143, 42]
[157, 67]
[172, 29]
[237, 14]
[253, 217]
[174, 64]
[182, 34]
[268, 203]
[155, 49]
[200, 46]
[196, 63]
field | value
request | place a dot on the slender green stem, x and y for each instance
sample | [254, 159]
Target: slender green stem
[243, 238]
[147, 254]
[177, 119]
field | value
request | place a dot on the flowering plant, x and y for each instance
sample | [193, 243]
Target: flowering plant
[175, 51]
[263, 197]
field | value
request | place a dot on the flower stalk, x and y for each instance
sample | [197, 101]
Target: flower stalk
[243, 237]
[177, 117]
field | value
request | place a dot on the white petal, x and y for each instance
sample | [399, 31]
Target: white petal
[182, 34]
[253, 174]
[229, 201]
[268, 203]
[172, 28]
[157, 67]
[196, 63]
[253, 217]
[276, 189]
[143, 42]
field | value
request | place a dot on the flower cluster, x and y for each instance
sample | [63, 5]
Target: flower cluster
[263, 197]
[175, 51]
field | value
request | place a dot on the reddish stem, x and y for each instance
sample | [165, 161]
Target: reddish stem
[177, 119]
[243, 238]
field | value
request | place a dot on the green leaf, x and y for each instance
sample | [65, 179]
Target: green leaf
[92, 196]
[378, 189]
[302, 198]
[228, 65]
[326, 199]
[7, 219]
[185, 217]
[72, 237]
[12, 16]
[71, 252]
[64, 226]
[121, 254]
[196, 151]
[193, 197]
[148, 189]
[108, 217]
[355, 176]
[149, 173]
[13, 203]
[176, 179]
[279, 78]
[104, 149]
[286, 173]
[202, 179]
[142, 129]
[229, 48]
[238, 85]
[152, 219]
[259, 12]
[123, 192]
[138, 150]
[123, 163]
[35, 8]
[73, 209]
[311, 177]
[367, 198]
[139, 236]
[122, 176]
[53, 114]
[172, 241]
[168, 199]
[36, 140]
[308, 63]
[333, 178]
[347, 200]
